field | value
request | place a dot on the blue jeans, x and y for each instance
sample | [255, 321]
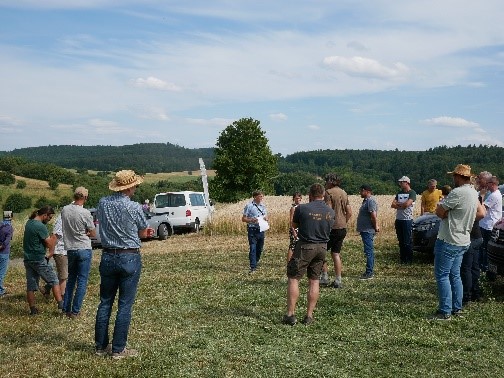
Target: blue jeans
[483, 258]
[79, 265]
[118, 271]
[4, 264]
[447, 261]
[367, 240]
[256, 244]
[403, 231]
[470, 272]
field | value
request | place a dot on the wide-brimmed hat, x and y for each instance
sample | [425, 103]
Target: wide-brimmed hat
[461, 170]
[125, 179]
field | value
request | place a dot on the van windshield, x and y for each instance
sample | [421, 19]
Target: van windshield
[169, 200]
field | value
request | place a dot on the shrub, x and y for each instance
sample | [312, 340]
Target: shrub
[53, 184]
[17, 202]
[20, 184]
[43, 201]
[6, 178]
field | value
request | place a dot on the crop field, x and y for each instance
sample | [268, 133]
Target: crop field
[198, 313]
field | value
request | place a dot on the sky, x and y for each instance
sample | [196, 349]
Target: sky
[320, 74]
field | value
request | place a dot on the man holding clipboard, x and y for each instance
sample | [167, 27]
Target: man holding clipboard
[256, 217]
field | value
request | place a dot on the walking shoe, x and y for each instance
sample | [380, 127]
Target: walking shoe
[324, 281]
[104, 352]
[34, 310]
[367, 276]
[71, 315]
[458, 313]
[307, 320]
[438, 315]
[337, 285]
[60, 305]
[124, 354]
[290, 320]
[252, 271]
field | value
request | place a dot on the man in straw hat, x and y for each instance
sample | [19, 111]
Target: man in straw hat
[122, 225]
[457, 212]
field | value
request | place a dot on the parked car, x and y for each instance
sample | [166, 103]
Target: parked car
[495, 251]
[425, 230]
[188, 211]
[159, 222]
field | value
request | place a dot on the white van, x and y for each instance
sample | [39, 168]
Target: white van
[188, 211]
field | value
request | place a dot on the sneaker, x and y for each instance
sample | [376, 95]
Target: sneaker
[307, 320]
[337, 285]
[71, 315]
[104, 352]
[324, 281]
[367, 276]
[124, 354]
[34, 311]
[458, 313]
[290, 320]
[252, 271]
[438, 315]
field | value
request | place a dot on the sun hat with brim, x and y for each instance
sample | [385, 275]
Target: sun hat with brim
[125, 179]
[461, 170]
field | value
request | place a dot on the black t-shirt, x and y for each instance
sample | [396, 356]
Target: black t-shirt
[315, 220]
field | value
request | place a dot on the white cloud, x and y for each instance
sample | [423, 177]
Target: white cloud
[313, 127]
[278, 117]
[155, 83]
[221, 122]
[453, 122]
[365, 67]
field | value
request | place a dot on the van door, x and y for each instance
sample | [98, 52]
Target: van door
[173, 204]
[200, 209]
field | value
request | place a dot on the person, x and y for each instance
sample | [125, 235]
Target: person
[445, 190]
[470, 269]
[78, 227]
[122, 225]
[6, 233]
[252, 214]
[296, 200]
[404, 203]
[314, 221]
[430, 197]
[338, 201]
[60, 256]
[36, 239]
[367, 226]
[493, 205]
[457, 213]
[146, 206]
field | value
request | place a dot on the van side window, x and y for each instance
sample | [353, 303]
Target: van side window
[178, 200]
[196, 199]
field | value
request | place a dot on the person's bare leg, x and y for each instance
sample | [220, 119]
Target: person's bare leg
[57, 293]
[337, 267]
[313, 295]
[62, 284]
[292, 295]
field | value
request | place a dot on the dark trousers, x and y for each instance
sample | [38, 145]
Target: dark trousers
[470, 272]
[256, 244]
[403, 232]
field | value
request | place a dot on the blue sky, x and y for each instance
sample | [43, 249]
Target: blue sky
[317, 74]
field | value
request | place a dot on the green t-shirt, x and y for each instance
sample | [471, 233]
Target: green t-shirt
[33, 240]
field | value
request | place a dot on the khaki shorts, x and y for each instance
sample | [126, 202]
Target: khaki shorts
[307, 258]
[61, 266]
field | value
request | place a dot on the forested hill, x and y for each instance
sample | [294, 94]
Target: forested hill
[143, 157]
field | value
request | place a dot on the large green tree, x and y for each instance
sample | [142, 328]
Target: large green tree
[243, 161]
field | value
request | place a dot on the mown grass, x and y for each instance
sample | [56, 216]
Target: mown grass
[200, 314]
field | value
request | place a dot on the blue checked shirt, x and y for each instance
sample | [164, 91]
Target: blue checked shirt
[120, 220]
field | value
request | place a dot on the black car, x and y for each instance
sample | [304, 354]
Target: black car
[495, 251]
[425, 230]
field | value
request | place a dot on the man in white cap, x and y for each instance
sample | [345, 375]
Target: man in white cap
[78, 227]
[457, 212]
[6, 232]
[404, 203]
[122, 225]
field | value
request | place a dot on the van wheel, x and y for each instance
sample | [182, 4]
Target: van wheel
[197, 226]
[163, 232]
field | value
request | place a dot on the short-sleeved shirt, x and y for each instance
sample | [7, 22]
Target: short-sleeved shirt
[493, 204]
[314, 220]
[58, 231]
[338, 201]
[461, 203]
[368, 206]
[33, 240]
[76, 222]
[120, 220]
[430, 200]
[6, 232]
[254, 210]
[401, 197]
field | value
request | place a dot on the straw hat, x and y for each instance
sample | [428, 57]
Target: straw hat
[125, 179]
[461, 170]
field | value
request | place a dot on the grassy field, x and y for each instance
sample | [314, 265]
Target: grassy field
[199, 313]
